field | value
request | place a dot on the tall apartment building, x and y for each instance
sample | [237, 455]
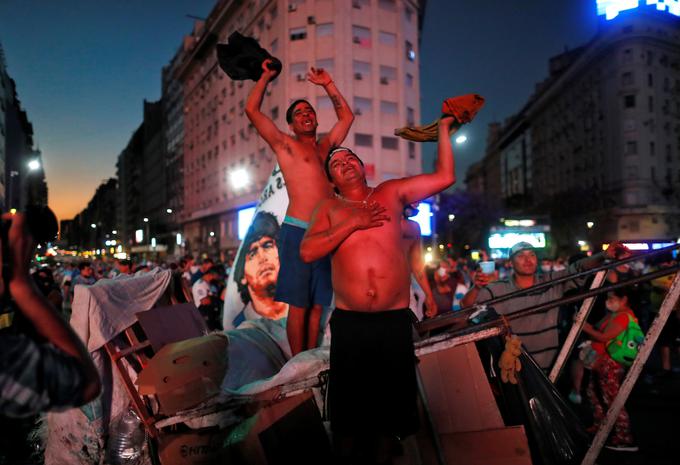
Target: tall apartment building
[370, 47]
[600, 139]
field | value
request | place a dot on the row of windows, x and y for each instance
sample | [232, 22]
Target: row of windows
[630, 101]
[628, 79]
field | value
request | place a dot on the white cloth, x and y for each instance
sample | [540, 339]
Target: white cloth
[200, 290]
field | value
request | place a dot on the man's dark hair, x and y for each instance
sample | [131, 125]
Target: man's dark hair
[331, 152]
[208, 260]
[264, 224]
[83, 265]
[289, 111]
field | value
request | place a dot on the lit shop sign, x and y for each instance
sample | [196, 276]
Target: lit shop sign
[520, 223]
[507, 240]
[610, 9]
[245, 219]
[424, 218]
[643, 245]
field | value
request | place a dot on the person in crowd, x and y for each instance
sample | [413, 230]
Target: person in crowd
[414, 245]
[305, 287]
[44, 280]
[206, 264]
[539, 331]
[123, 267]
[206, 294]
[372, 384]
[669, 338]
[36, 376]
[608, 374]
[257, 270]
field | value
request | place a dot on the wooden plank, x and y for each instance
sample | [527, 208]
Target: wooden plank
[579, 320]
[633, 374]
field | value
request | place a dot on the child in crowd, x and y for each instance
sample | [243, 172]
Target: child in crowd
[607, 374]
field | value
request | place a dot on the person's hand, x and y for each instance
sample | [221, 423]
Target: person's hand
[617, 250]
[445, 122]
[319, 76]
[481, 279]
[371, 215]
[21, 246]
[430, 306]
[268, 74]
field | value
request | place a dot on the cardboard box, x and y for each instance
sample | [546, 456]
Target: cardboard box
[184, 374]
[287, 432]
[194, 448]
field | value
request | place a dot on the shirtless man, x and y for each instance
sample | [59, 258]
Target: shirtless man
[372, 388]
[306, 287]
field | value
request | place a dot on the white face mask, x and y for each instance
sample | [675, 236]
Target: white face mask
[559, 267]
[545, 268]
[441, 272]
[612, 306]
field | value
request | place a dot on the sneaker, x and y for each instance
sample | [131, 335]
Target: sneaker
[622, 447]
[575, 398]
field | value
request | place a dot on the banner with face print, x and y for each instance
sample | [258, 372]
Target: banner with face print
[252, 283]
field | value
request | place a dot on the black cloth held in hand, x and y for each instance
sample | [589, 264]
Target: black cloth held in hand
[241, 58]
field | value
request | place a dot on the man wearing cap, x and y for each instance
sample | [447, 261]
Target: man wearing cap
[538, 332]
[372, 385]
[306, 287]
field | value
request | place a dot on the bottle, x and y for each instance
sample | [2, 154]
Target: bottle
[127, 440]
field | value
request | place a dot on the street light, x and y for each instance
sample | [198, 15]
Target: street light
[452, 217]
[93, 226]
[590, 224]
[168, 210]
[461, 139]
[146, 220]
[34, 165]
[239, 178]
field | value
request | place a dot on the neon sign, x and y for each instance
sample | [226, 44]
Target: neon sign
[610, 9]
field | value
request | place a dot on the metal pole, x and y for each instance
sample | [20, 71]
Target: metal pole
[579, 319]
[633, 374]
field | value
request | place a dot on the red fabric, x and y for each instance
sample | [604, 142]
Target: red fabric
[620, 318]
[605, 381]
[463, 108]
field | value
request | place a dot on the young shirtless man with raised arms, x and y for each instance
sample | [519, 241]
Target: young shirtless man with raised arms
[372, 387]
[305, 287]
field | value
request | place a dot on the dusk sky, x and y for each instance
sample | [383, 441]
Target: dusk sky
[83, 69]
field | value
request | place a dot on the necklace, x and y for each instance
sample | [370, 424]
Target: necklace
[364, 201]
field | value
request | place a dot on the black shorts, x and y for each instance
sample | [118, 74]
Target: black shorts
[372, 385]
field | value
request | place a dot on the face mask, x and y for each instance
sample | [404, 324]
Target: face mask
[612, 306]
[545, 268]
[559, 267]
[441, 272]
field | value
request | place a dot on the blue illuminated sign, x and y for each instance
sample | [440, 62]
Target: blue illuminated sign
[424, 219]
[245, 219]
[610, 9]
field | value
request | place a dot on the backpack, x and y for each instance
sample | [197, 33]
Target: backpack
[624, 347]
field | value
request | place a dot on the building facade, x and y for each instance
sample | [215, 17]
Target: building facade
[370, 47]
[599, 141]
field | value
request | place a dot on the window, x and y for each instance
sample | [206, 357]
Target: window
[409, 80]
[650, 80]
[389, 143]
[652, 149]
[629, 101]
[627, 79]
[410, 52]
[326, 63]
[650, 103]
[274, 45]
[358, 4]
[323, 102]
[275, 113]
[361, 36]
[363, 140]
[389, 108]
[298, 70]
[631, 147]
[324, 30]
[362, 105]
[388, 5]
[298, 33]
[650, 58]
[387, 38]
[408, 14]
[387, 74]
[274, 12]
[362, 69]
[410, 116]
[628, 55]
[411, 150]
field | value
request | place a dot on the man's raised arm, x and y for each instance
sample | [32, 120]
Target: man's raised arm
[322, 238]
[337, 134]
[422, 186]
[264, 125]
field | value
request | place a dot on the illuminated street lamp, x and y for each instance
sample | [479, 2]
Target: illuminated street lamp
[452, 217]
[93, 226]
[239, 178]
[590, 224]
[34, 165]
[168, 210]
[461, 139]
[146, 220]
